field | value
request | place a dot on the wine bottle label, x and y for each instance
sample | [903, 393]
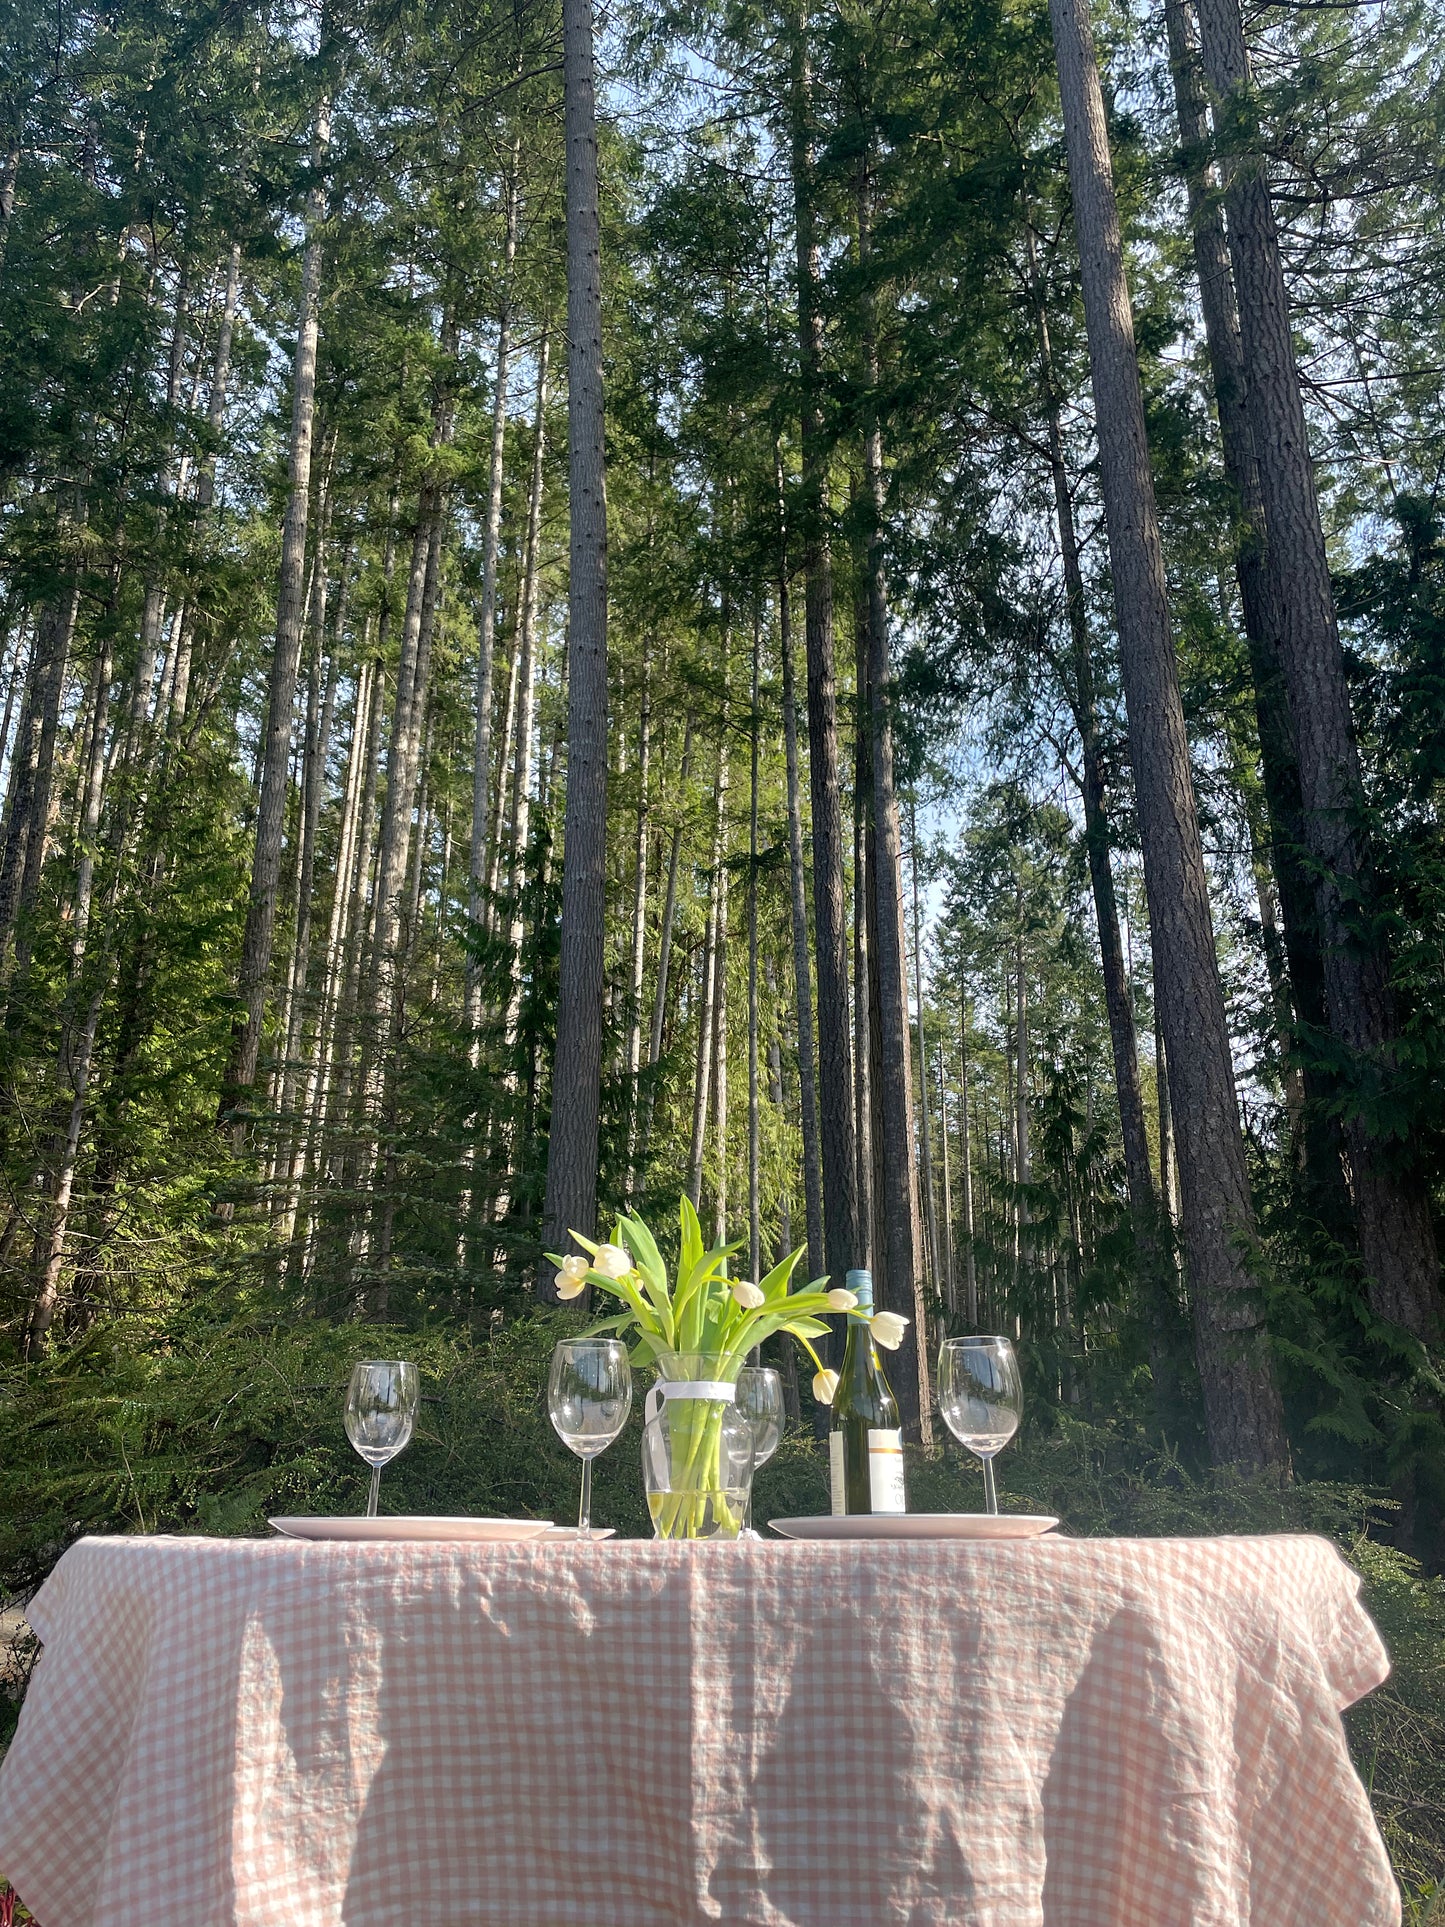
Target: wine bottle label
[885, 1471]
[835, 1472]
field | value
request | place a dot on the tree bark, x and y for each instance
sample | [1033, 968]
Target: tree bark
[526, 711]
[755, 1225]
[1279, 765]
[925, 1152]
[1243, 1412]
[899, 1229]
[1391, 1198]
[965, 1168]
[487, 613]
[835, 1078]
[259, 934]
[571, 1196]
[802, 972]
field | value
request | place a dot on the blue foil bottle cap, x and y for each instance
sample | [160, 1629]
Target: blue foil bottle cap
[861, 1282]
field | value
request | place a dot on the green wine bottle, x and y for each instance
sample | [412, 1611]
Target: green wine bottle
[865, 1447]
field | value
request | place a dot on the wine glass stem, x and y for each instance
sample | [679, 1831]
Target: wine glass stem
[584, 1511]
[375, 1492]
[990, 1490]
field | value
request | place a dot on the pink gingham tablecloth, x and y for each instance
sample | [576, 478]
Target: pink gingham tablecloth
[1059, 1733]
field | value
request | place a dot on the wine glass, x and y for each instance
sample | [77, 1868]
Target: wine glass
[381, 1403]
[760, 1400]
[589, 1394]
[981, 1398]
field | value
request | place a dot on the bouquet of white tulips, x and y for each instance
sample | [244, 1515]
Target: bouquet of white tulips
[705, 1313]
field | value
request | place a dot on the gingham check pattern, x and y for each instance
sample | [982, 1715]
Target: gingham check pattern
[1063, 1733]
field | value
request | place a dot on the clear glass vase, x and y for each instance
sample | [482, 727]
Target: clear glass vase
[697, 1449]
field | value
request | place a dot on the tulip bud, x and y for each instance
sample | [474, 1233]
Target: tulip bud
[575, 1266]
[887, 1329]
[824, 1386]
[841, 1299]
[612, 1261]
[748, 1296]
[569, 1287]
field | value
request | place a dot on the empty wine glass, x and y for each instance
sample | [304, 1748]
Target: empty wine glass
[981, 1398]
[760, 1399]
[589, 1394]
[381, 1403]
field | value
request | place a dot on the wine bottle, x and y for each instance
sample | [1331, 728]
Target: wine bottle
[865, 1446]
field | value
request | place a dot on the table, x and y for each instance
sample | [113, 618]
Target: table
[1056, 1733]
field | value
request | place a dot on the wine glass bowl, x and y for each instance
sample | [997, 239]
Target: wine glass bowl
[589, 1394]
[381, 1407]
[760, 1400]
[980, 1397]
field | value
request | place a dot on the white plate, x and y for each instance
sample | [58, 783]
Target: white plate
[431, 1529]
[918, 1525]
[554, 1533]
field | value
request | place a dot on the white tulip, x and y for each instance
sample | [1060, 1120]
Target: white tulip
[570, 1287]
[887, 1329]
[748, 1296]
[575, 1266]
[824, 1386]
[612, 1261]
[841, 1299]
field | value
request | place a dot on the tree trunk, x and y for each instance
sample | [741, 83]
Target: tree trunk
[571, 1197]
[899, 1230]
[1279, 765]
[487, 614]
[638, 958]
[526, 710]
[802, 973]
[863, 973]
[1391, 1198]
[1079, 689]
[925, 1152]
[965, 1171]
[835, 1079]
[256, 943]
[1243, 1413]
[947, 1283]
[755, 1224]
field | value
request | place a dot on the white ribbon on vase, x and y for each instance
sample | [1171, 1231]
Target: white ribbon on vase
[718, 1389]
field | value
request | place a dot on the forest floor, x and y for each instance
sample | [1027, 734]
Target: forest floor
[216, 1426]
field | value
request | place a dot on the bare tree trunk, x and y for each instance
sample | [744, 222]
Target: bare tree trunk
[637, 962]
[720, 1050]
[965, 1168]
[755, 1227]
[899, 1234]
[1166, 1124]
[802, 973]
[1391, 1198]
[664, 951]
[526, 708]
[571, 1197]
[1079, 688]
[32, 785]
[863, 1093]
[925, 1153]
[256, 944]
[835, 1079]
[947, 1283]
[1243, 1413]
[1279, 764]
[487, 614]
[702, 1079]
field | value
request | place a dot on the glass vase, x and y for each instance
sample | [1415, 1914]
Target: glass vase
[697, 1449]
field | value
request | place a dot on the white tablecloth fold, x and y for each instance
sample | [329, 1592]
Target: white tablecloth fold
[1059, 1733]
